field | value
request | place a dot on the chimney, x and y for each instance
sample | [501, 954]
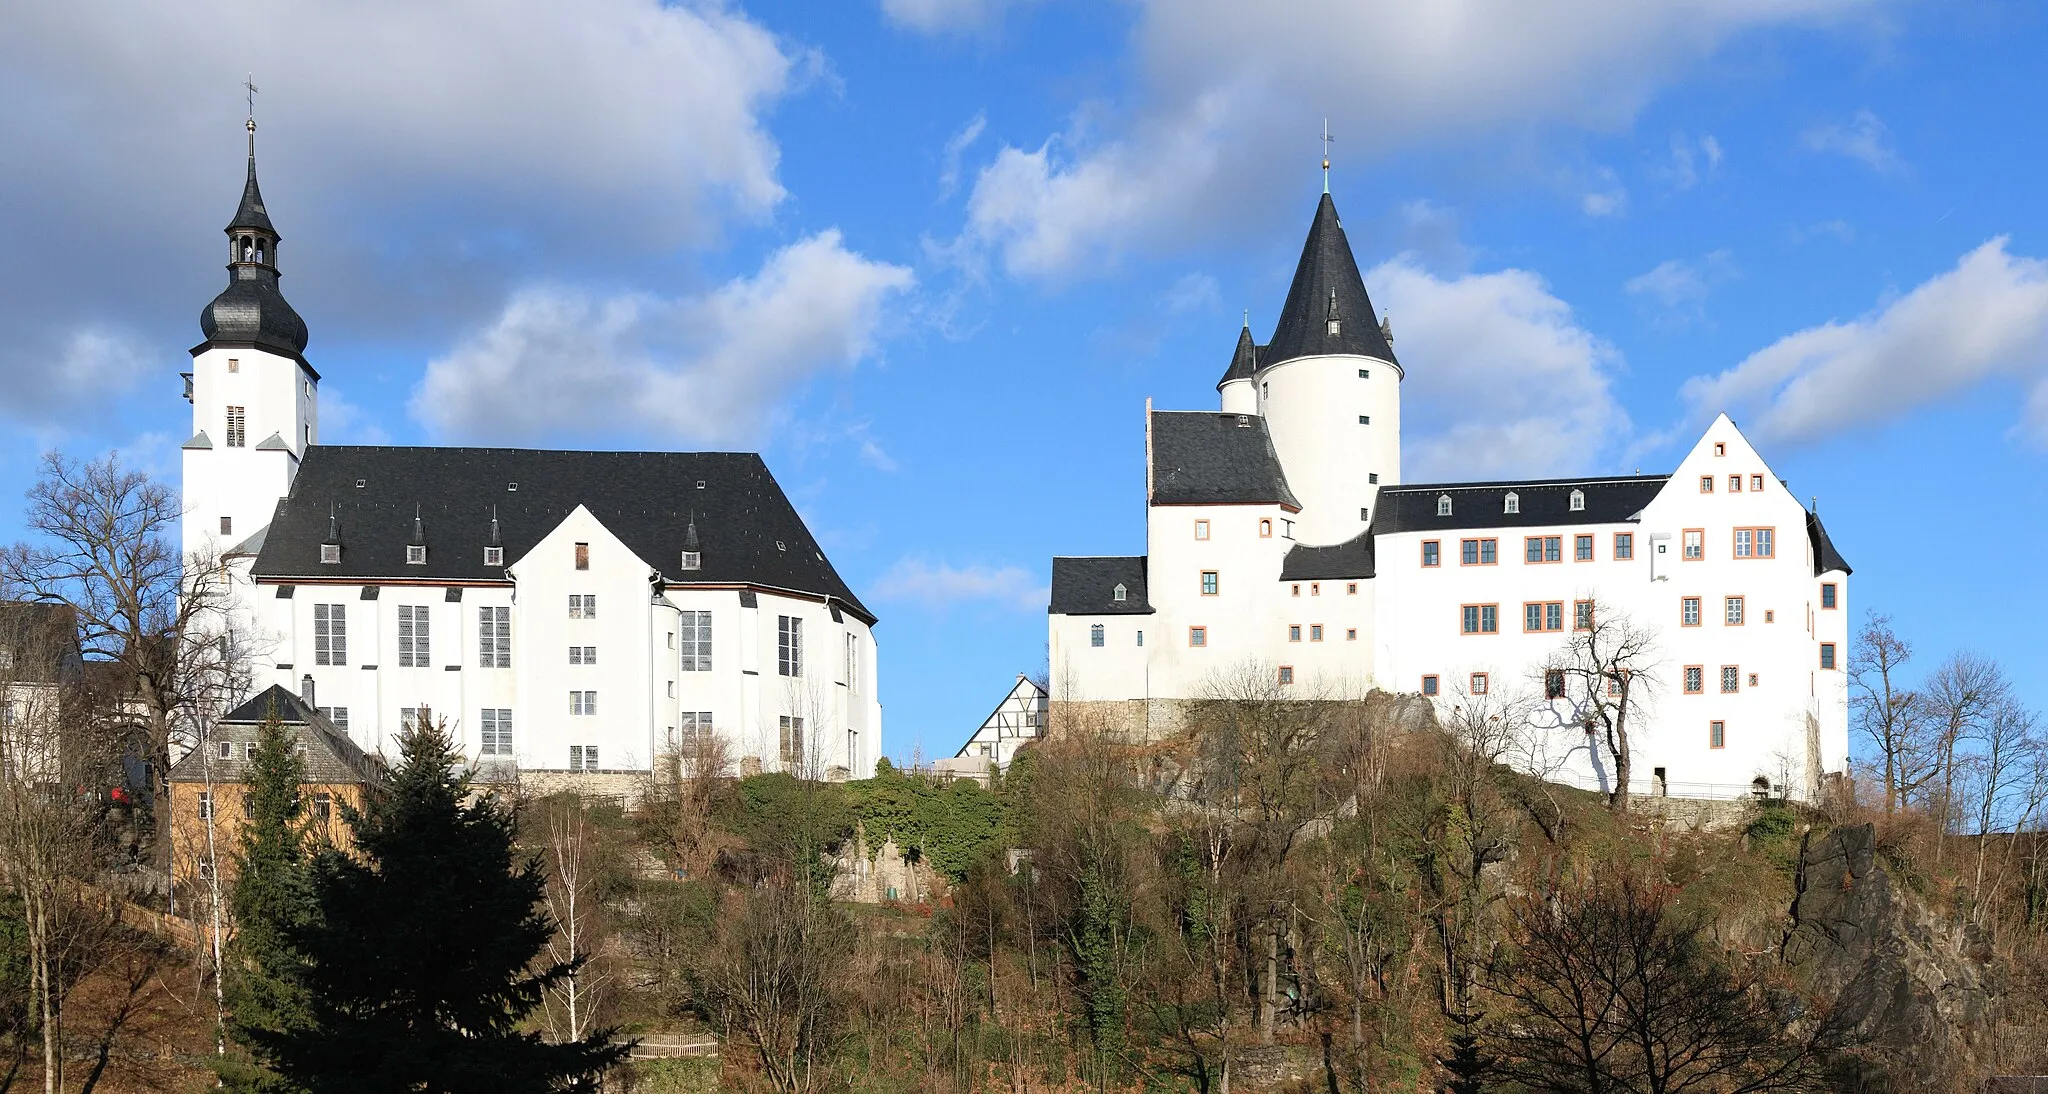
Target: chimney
[306, 690]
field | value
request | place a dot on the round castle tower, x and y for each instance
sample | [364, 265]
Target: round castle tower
[1328, 386]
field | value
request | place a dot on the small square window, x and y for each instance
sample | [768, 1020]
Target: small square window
[1365, 419]
[1315, 632]
[1351, 589]
[1706, 484]
[1430, 552]
[1198, 636]
[1735, 484]
[1756, 482]
[1720, 448]
[1732, 613]
[1365, 374]
[1265, 529]
[415, 555]
[1351, 634]
[1287, 674]
[1294, 632]
[1624, 546]
[1210, 583]
[1689, 611]
[1477, 684]
[1695, 679]
[494, 556]
[330, 553]
[1752, 679]
[1315, 588]
[234, 364]
[1429, 685]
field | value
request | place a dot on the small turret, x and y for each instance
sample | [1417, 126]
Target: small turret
[1239, 396]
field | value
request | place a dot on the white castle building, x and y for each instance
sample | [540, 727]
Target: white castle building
[562, 611]
[1280, 535]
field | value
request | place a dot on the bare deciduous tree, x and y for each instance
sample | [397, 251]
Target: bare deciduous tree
[1605, 674]
[107, 544]
[1962, 696]
[773, 976]
[575, 851]
[1889, 713]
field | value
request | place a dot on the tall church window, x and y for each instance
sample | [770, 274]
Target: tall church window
[497, 732]
[330, 634]
[696, 648]
[494, 638]
[789, 645]
[413, 635]
[238, 427]
[791, 741]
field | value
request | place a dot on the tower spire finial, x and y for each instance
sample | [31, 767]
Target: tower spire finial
[1327, 138]
[249, 86]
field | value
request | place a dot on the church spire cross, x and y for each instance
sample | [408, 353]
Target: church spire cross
[1327, 138]
[249, 87]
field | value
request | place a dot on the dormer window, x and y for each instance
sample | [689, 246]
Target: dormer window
[1578, 501]
[1118, 594]
[415, 554]
[494, 556]
[1244, 421]
[1512, 503]
[693, 560]
[330, 553]
[1443, 505]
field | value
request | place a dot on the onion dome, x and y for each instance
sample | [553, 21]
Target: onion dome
[251, 311]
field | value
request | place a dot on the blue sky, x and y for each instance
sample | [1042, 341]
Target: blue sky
[931, 256]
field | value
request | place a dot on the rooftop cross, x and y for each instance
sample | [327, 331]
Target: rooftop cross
[1327, 138]
[249, 86]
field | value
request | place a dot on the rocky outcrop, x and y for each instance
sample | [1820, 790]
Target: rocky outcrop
[1912, 993]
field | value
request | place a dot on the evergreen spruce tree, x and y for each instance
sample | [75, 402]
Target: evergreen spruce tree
[419, 963]
[272, 896]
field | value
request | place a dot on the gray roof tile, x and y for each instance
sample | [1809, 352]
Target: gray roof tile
[1087, 585]
[1203, 457]
[1326, 278]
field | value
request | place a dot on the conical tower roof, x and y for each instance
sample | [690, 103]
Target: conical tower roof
[1243, 362]
[250, 214]
[1326, 287]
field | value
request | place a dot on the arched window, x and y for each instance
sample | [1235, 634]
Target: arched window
[1512, 503]
[1265, 529]
[1443, 505]
[1578, 501]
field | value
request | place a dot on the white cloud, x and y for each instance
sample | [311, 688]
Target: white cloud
[343, 421]
[708, 369]
[1863, 138]
[417, 157]
[917, 579]
[76, 368]
[1689, 160]
[1195, 292]
[956, 146]
[1986, 317]
[1223, 87]
[1681, 287]
[947, 16]
[1505, 382]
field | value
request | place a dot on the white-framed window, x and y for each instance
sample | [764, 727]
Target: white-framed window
[583, 605]
[1512, 503]
[337, 715]
[1095, 636]
[583, 704]
[224, 750]
[1578, 501]
[330, 634]
[330, 553]
[414, 649]
[852, 662]
[692, 726]
[1689, 611]
[791, 741]
[1695, 540]
[323, 807]
[493, 637]
[1732, 611]
[206, 808]
[583, 757]
[494, 556]
[497, 732]
[1119, 594]
[1443, 505]
[415, 554]
[1476, 684]
[789, 645]
[696, 648]
[413, 716]
[1756, 482]
[583, 655]
[238, 427]
[1756, 542]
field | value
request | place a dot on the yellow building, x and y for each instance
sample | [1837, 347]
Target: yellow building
[209, 787]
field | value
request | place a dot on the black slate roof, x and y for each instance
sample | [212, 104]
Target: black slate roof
[1087, 585]
[1243, 361]
[250, 213]
[1543, 502]
[1326, 278]
[1203, 457]
[747, 531]
[1825, 557]
[330, 756]
[1353, 558]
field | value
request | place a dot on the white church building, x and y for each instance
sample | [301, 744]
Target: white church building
[1281, 539]
[562, 611]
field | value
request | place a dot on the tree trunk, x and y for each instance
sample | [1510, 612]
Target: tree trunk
[1271, 987]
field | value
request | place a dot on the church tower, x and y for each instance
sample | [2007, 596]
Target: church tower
[1329, 388]
[254, 398]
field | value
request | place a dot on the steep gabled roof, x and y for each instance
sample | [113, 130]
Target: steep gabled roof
[1204, 458]
[747, 531]
[1541, 503]
[1326, 285]
[1087, 585]
[1825, 557]
[250, 213]
[1354, 558]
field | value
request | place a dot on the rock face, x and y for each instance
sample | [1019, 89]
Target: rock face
[1912, 991]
